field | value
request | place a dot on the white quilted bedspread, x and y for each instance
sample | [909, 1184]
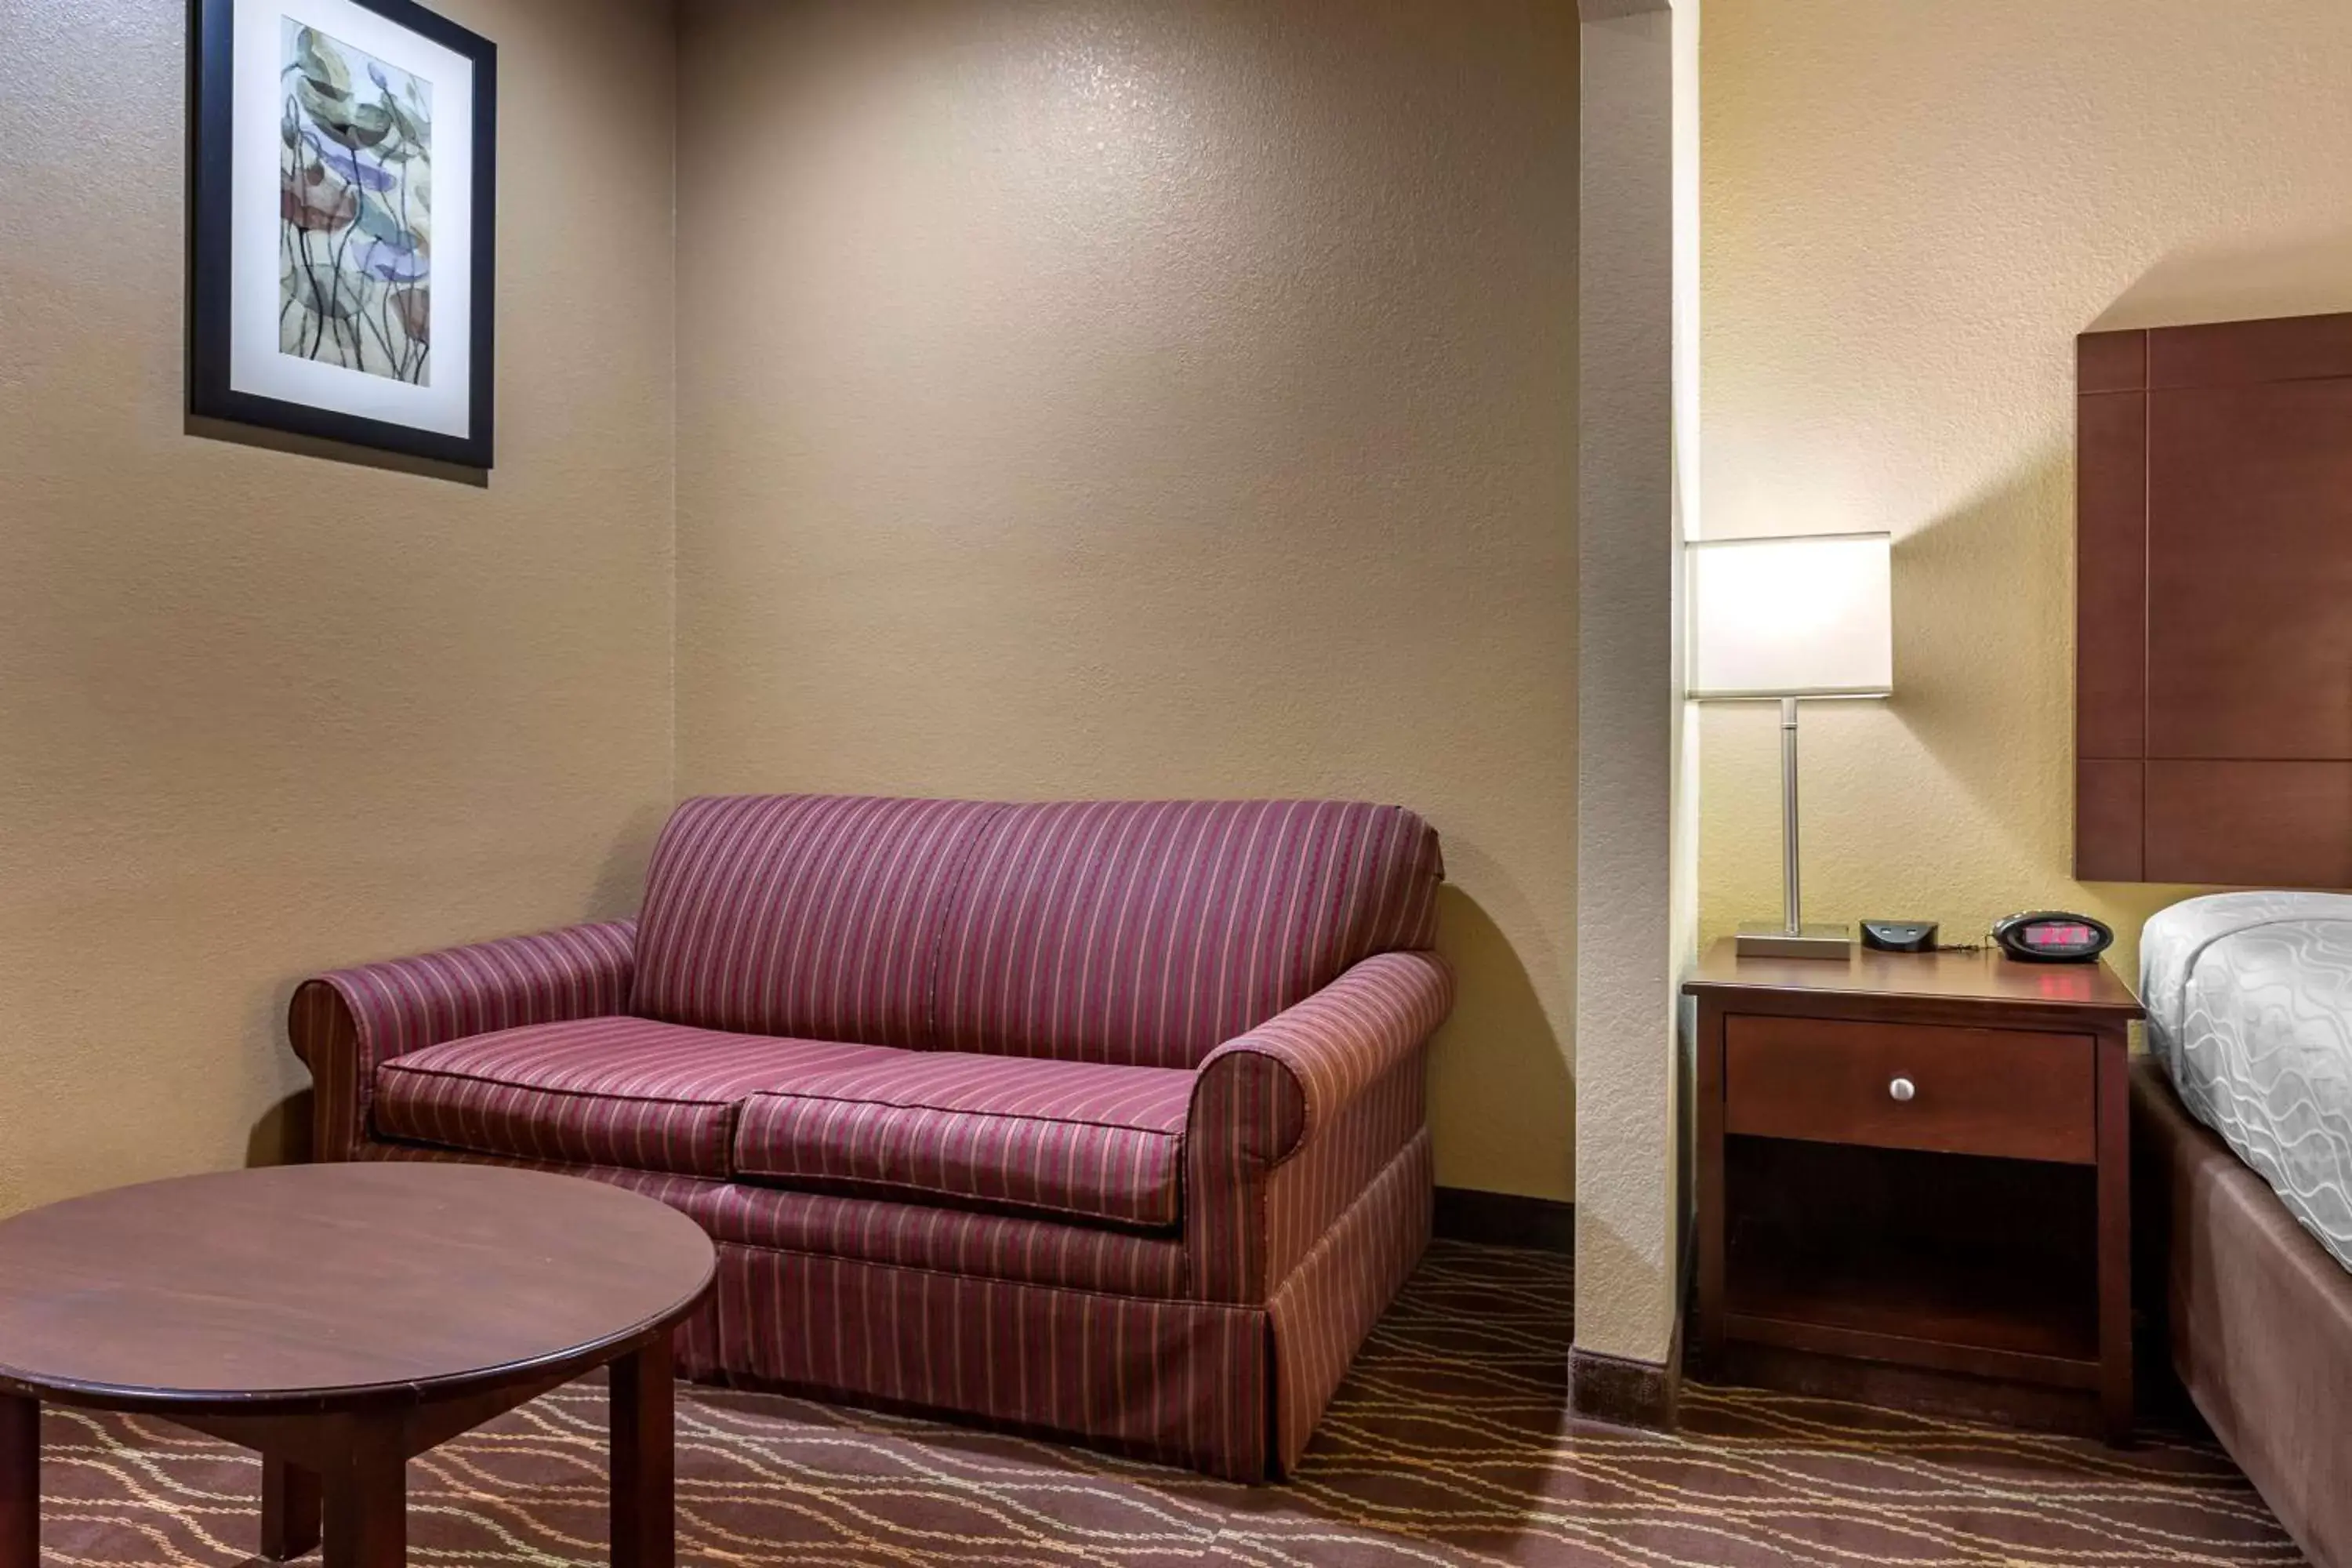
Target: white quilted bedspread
[2249, 1002]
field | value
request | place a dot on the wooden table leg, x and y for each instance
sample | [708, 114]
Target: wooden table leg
[644, 1475]
[20, 1482]
[367, 1501]
[289, 1509]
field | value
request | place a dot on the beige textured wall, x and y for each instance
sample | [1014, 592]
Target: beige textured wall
[261, 713]
[1911, 211]
[1087, 399]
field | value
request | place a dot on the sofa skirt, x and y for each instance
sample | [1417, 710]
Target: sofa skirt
[1232, 1390]
[1182, 1382]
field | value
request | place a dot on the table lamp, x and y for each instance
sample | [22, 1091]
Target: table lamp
[1793, 619]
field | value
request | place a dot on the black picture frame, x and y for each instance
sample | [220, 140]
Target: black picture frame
[210, 395]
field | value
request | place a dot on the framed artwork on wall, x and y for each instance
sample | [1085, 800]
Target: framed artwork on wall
[341, 234]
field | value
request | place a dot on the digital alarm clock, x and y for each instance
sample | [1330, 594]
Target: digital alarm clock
[2053, 936]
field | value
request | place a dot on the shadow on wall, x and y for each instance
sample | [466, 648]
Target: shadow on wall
[2289, 277]
[620, 889]
[1604, 1259]
[1516, 1109]
[1961, 602]
[332, 451]
[281, 1134]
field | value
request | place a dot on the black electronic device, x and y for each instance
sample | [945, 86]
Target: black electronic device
[1899, 936]
[2053, 936]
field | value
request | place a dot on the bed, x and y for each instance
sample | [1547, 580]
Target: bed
[2242, 1137]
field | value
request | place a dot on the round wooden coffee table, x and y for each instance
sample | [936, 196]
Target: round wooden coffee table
[340, 1318]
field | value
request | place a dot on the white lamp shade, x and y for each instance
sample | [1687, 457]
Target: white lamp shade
[1801, 616]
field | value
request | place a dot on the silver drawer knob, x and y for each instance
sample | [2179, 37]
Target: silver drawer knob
[1902, 1089]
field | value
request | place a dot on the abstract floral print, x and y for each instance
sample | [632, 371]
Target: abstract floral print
[355, 201]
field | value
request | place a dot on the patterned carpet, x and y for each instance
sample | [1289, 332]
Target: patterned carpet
[1448, 1445]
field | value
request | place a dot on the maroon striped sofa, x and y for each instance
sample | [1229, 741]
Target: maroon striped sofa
[1097, 1119]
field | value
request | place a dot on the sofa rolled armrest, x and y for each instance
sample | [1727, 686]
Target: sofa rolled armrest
[346, 1023]
[1291, 1121]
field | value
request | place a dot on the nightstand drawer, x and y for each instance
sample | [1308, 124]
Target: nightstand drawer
[2008, 1092]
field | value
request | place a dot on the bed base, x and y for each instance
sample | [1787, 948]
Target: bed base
[2255, 1315]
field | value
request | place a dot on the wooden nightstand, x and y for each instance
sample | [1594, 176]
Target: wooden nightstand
[1914, 1181]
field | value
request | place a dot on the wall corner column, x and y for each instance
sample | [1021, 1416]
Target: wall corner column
[1635, 818]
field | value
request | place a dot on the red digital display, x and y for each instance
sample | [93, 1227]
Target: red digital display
[2052, 936]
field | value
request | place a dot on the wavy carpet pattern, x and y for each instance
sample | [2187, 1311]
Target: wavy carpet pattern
[1449, 1445]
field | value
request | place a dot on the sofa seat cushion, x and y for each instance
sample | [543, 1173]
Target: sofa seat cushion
[605, 1091]
[1035, 1250]
[1081, 1140]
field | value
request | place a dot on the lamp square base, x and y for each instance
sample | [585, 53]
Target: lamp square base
[1813, 942]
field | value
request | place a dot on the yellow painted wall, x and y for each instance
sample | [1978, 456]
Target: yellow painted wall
[262, 713]
[1911, 210]
[1169, 400]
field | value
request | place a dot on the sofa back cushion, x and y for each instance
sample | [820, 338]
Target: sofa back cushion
[1150, 932]
[816, 916]
[1142, 932]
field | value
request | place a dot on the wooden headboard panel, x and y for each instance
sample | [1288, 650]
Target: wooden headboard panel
[2213, 605]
